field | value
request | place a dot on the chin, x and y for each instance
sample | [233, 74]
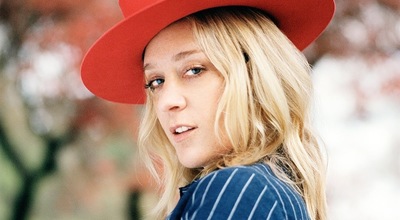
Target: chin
[191, 164]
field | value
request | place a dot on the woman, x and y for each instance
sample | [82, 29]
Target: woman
[227, 101]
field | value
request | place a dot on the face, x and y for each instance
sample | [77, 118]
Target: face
[185, 89]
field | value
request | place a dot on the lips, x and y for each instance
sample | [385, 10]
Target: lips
[181, 129]
[181, 132]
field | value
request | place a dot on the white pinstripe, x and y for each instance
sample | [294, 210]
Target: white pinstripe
[195, 191]
[292, 193]
[205, 193]
[272, 209]
[240, 196]
[290, 200]
[296, 199]
[257, 202]
[283, 187]
[279, 195]
[187, 216]
[222, 192]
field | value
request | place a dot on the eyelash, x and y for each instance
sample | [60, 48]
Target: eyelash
[149, 84]
[201, 69]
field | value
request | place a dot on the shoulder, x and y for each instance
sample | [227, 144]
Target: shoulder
[237, 178]
[244, 191]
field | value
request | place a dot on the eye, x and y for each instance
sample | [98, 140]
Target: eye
[154, 84]
[194, 71]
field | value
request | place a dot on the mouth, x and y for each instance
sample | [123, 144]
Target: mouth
[182, 129]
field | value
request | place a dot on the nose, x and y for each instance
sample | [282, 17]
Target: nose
[172, 97]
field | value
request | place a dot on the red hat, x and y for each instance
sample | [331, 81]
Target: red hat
[112, 68]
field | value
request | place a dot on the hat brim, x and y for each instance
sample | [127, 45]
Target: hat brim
[112, 68]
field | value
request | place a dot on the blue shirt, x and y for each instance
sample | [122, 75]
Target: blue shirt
[242, 192]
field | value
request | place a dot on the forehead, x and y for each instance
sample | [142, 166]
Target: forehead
[173, 37]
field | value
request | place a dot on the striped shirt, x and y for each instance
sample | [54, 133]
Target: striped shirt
[242, 192]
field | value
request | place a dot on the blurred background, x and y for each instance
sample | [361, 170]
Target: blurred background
[65, 154]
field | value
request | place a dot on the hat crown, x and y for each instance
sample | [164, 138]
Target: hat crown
[129, 7]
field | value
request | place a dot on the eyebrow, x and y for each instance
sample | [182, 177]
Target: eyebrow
[177, 57]
[184, 54]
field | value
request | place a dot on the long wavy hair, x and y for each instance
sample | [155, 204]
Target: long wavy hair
[264, 106]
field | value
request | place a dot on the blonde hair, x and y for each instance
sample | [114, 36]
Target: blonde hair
[264, 107]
